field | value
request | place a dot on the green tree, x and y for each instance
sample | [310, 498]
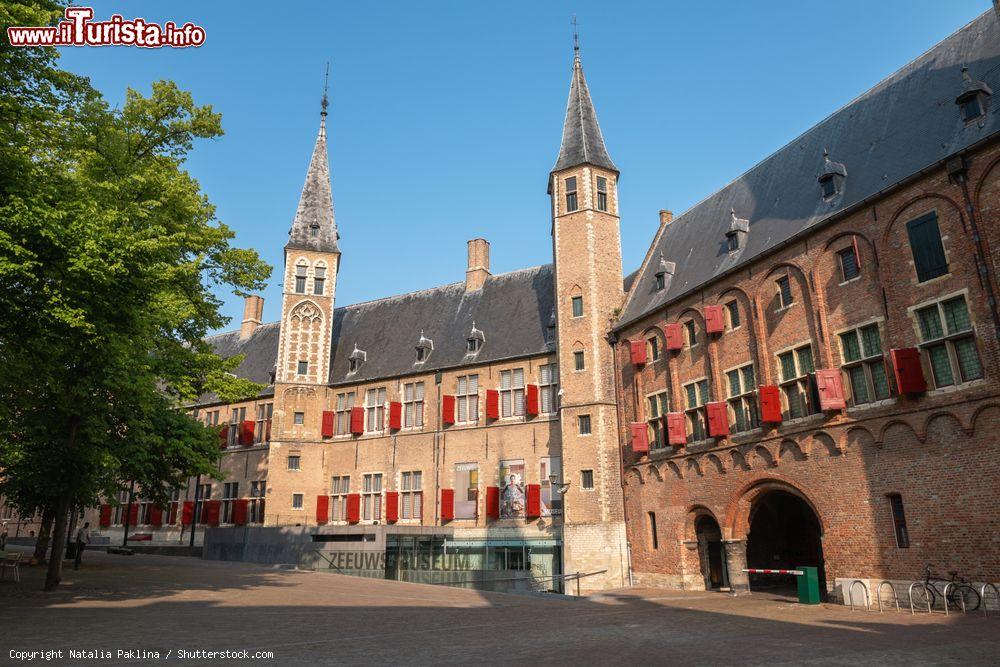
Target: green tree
[109, 254]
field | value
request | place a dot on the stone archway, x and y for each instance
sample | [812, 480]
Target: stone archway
[785, 533]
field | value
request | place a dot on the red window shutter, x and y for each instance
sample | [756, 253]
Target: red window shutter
[353, 507]
[830, 385]
[533, 501]
[322, 509]
[492, 404]
[447, 409]
[532, 399]
[395, 415]
[212, 508]
[357, 420]
[187, 513]
[133, 514]
[640, 437]
[676, 428]
[224, 436]
[240, 506]
[638, 352]
[246, 432]
[391, 506]
[908, 371]
[156, 516]
[105, 516]
[447, 504]
[328, 419]
[674, 336]
[857, 253]
[715, 323]
[718, 420]
[770, 404]
[493, 502]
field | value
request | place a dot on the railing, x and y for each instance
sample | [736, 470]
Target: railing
[577, 576]
[850, 594]
[878, 594]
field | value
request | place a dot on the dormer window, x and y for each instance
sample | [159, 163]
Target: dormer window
[738, 229]
[356, 360]
[664, 271]
[732, 242]
[475, 340]
[424, 348]
[602, 193]
[314, 229]
[831, 178]
[973, 100]
[571, 194]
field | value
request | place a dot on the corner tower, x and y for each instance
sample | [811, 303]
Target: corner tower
[586, 245]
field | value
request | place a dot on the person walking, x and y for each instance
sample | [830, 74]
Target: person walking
[3, 537]
[82, 540]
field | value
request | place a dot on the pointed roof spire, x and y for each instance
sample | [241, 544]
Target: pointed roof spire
[314, 226]
[582, 141]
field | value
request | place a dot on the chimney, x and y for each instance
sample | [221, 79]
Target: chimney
[253, 310]
[479, 264]
[666, 217]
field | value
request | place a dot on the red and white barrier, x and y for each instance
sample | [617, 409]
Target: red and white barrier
[797, 573]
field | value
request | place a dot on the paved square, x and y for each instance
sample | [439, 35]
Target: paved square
[154, 603]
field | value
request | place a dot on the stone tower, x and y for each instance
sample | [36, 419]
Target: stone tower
[312, 260]
[587, 256]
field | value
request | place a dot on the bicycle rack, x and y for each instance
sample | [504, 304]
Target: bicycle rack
[982, 596]
[927, 595]
[951, 584]
[868, 598]
[878, 594]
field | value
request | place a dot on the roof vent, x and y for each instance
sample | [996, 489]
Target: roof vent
[739, 228]
[664, 272]
[831, 178]
[974, 98]
[424, 348]
[475, 340]
[356, 359]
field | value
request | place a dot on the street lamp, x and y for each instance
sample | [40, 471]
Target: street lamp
[561, 487]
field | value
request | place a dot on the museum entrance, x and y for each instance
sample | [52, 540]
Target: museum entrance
[785, 533]
[711, 554]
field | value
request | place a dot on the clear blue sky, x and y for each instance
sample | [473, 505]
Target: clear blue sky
[445, 117]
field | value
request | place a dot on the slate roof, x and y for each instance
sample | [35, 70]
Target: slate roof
[260, 352]
[512, 310]
[906, 123]
[314, 226]
[582, 141]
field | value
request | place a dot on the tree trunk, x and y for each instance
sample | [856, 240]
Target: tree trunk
[42, 542]
[54, 573]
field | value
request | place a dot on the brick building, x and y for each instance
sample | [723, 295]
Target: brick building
[808, 359]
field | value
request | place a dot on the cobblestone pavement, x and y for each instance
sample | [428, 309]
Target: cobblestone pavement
[161, 604]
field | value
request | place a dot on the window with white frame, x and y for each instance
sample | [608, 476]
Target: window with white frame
[299, 418]
[255, 507]
[653, 348]
[297, 501]
[602, 193]
[340, 486]
[262, 429]
[795, 367]
[230, 492]
[411, 495]
[655, 414]
[697, 415]
[319, 280]
[303, 368]
[733, 313]
[579, 361]
[413, 405]
[863, 364]
[145, 513]
[742, 398]
[692, 333]
[300, 278]
[371, 497]
[548, 388]
[784, 287]
[512, 392]
[949, 342]
[467, 398]
[849, 267]
[294, 462]
[466, 490]
[342, 422]
[587, 479]
[235, 421]
[583, 424]
[375, 410]
[549, 468]
[577, 302]
[571, 194]
[175, 501]
[202, 495]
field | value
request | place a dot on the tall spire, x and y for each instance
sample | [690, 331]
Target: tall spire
[582, 141]
[314, 226]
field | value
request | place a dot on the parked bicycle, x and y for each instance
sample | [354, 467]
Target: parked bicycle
[961, 591]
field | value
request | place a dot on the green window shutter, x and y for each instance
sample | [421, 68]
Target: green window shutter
[925, 243]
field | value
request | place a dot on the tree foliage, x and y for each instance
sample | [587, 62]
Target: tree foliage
[109, 255]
